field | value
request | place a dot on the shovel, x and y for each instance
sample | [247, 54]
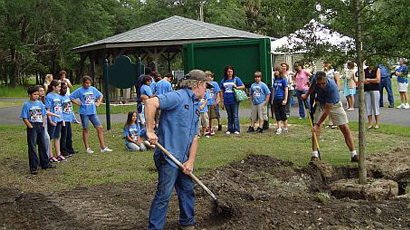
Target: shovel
[311, 126]
[219, 208]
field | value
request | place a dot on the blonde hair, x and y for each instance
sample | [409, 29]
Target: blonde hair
[47, 81]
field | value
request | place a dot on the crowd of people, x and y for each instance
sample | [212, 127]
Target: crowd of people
[190, 112]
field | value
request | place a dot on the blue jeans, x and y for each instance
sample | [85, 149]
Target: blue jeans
[386, 83]
[299, 93]
[169, 178]
[36, 137]
[233, 117]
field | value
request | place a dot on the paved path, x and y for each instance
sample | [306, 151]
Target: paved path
[388, 116]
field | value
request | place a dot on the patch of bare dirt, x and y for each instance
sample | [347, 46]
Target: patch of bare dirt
[266, 193]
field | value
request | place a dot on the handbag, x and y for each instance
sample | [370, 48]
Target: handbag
[240, 95]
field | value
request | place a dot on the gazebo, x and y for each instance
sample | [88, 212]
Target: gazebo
[160, 39]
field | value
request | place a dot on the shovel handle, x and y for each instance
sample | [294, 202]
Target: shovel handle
[313, 131]
[182, 167]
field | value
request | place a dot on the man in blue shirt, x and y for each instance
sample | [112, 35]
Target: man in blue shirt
[328, 104]
[177, 132]
[385, 83]
[164, 86]
[259, 96]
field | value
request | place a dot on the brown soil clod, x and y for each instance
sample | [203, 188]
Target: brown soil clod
[223, 210]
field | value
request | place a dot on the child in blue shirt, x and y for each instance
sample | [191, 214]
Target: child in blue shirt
[89, 98]
[131, 132]
[213, 103]
[259, 96]
[55, 124]
[203, 119]
[68, 115]
[33, 114]
[280, 98]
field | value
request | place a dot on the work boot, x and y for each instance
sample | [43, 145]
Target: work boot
[219, 127]
[189, 227]
[250, 129]
[355, 158]
[313, 158]
[259, 130]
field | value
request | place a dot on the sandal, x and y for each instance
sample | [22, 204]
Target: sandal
[53, 159]
[61, 158]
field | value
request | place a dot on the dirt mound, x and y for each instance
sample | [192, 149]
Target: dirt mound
[266, 193]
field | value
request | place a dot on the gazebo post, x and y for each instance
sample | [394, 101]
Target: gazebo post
[107, 97]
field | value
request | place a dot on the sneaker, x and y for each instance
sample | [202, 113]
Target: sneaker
[350, 109]
[236, 132]
[300, 118]
[285, 130]
[278, 131]
[212, 132]
[207, 136]
[355, 158]
[313, 158]
[406, 106]
[250, 129]
[33, 171]
[227, 132]
[61, 158]
[89, 151]
[401, 106]
[219, 127]
[106, 150]
[259, 130]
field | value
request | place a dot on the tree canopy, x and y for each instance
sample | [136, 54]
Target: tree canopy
[36, 36]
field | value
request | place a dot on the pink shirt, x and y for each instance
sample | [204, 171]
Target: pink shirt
[302, 80]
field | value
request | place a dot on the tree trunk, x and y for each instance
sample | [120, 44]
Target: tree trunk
[362, 129]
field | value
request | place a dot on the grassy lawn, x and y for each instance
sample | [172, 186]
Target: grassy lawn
[8, 104]
[9, 92]
[121, 166]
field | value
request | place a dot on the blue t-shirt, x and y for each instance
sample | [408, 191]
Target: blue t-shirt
[213, 92]
[178, 124]
[54, 103]
[327, 95]
[259, 92]
[202, 101]
[153, 86]
[227, 86]
[279, 84]
[384, 72]
[33, 111]
[146, 90]
[131, 131]
[163, 86]
[87, 98]
[404, 70]
[67, 108]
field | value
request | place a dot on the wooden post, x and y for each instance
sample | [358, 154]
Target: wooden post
[107, 94]
[362, 131]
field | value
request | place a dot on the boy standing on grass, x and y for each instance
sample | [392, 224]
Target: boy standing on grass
[280, 99]
[259, 96]
[34, 117]
[213, 103]
[89, 98]
[203, 119]
[403, 83]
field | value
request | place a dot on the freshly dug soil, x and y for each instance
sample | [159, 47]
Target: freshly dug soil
[266, 193]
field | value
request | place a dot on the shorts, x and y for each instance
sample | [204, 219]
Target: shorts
[259, 112]
[402, 86]
[280, 110]
[204, 120]
[85, 120]
[213, 111]
[54, 131]
[337, 113]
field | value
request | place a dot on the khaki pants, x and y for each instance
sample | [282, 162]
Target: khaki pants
[337, 113]
[259, 112]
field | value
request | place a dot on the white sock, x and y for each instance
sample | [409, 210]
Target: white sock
[315, 154]
[353, 153]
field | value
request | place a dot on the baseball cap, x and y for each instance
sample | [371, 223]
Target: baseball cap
[198, 75]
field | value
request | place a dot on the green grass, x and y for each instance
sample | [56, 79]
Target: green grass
[17, 92]
[122, 166]
[8, 104]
